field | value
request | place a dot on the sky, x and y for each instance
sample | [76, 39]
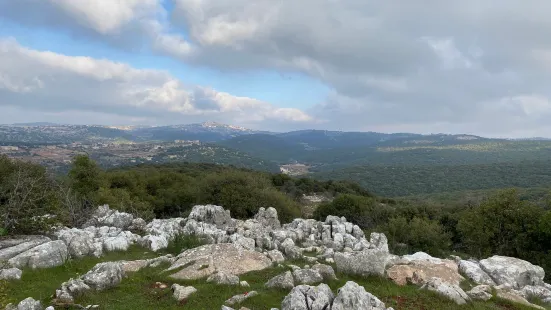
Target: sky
[437, 66]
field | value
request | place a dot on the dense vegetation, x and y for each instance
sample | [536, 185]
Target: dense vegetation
[502, 223]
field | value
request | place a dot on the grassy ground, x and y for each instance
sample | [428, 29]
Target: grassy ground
[139, 290]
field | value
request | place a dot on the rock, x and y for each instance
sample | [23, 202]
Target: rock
[354, 297]
[453, 292]
[137, 265]
[512, 272]
[154, 243]
[473, 271]
[268, 218]
[104, 275]
[540, 292]
[182, 292]
[276, 256]
[364, 263]
[223, 279]
[290, 249]
[29, 304]
[227, 258]
[480, 292]
[12, 247]
[307, 276]
[305, 297]
[282, 281]
[325, 271]
[515, 296]
[71, 289]
[244, 284]
[237, 299]
[378, 241]
[46, 255]
[79, 242]
[11, 274]
[138, 224]
[211, 214]
[420, 267]
[244, 242]
[226, 308]
[104, 216]
[168, 228]
[119, 243]
[49, 308]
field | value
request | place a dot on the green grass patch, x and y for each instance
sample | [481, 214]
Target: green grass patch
[184, 242]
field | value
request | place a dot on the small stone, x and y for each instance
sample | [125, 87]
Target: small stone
[221, 278]
[182, 292]
[11, 274]
[282, 281]
[307, 276]
[244, 284]
[237, 299]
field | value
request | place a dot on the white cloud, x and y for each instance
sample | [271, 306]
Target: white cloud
[41, 80]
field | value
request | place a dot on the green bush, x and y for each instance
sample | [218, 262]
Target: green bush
[418, 234]
[184, 242]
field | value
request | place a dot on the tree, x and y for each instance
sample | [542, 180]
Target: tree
[85, 177]
[27, 197]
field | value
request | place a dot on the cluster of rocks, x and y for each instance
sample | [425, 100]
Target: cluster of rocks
[236, 247]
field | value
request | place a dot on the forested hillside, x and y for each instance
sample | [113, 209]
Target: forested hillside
[502, 223]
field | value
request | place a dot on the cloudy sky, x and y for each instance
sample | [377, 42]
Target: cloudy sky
[471, 66]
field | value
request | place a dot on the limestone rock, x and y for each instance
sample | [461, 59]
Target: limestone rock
[211, 214]
[10, 274]
[420, 267]
[515, 296]
[268, 218]
[227, 258]
[540, 292]
[223, 279]
[46, 255]
[154, 243]
[29, 304]
[325, 271]
[354, 297]
[282, 281]
[307, 276]
[512, 272]
[473, 271]
[480, 292]
[12, 247]
[71, 289]
[79, 242]
[182, 292]
[104, 276]
[453, 292]
[119, 243]
[237, 299]
[276, 256]
[364, 263]
[305, 297]
[104, 216]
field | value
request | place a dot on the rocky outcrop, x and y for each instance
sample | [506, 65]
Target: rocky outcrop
[15, 246]
[46, 255]
[268, 218]
[453, 292]
[512, 272]
[104, 216]
[472, 270]
[211, 214]
[420, 267]
[365, 263]
[227, 258]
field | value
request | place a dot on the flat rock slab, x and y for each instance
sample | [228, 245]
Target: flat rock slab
[15, 246]
[228, 258]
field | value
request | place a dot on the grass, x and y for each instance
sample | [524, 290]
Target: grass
[139, 290]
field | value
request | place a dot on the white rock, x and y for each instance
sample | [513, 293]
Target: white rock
[480, 292]
[29, 304]
[10, 274]
[182, 292]
[47, 255]
[354, 297]
[452, 291]
[305, 297]
[473, 271]
[512, 272]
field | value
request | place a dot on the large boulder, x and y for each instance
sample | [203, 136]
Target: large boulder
[104, 216]
[80, 242]
[227, 258]
[420, 267]
[307, 276]
[354, 297]
[104, 276]
[268, 218]
[305, 297]
[282, 281]
[473, 271]
[512, 272]
[364, 263]
[453, 292]
[211, 214]
[13, 247]
[47, 255]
